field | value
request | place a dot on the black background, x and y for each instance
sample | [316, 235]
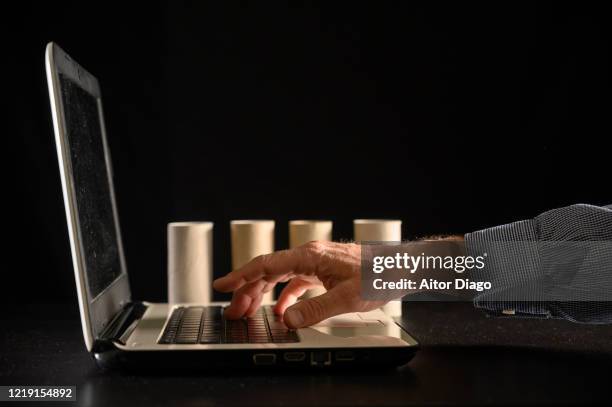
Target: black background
[451, 117]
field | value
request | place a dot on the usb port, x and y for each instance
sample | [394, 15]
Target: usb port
[264, 358]
[345, 356]
[294, 356]
[320, 358]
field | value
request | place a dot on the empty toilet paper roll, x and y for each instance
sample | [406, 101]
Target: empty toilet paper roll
[304, 231]
[377, 230]
[380, 230]
[251, 238]
[190, 256]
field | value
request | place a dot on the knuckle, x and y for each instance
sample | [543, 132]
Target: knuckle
[315, 247]
[254, 267]
[261, 261]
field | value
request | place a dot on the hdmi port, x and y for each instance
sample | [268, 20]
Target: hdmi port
[294, 356]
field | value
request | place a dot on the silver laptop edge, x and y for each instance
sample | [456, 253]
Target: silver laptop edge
[97, 312]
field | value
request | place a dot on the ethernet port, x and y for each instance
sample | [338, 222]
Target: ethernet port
[320, 358]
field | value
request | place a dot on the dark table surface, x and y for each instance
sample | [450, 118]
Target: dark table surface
[465, 357]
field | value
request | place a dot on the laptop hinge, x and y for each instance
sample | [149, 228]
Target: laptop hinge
[123, 323]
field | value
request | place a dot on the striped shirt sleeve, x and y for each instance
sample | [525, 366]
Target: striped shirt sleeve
[530, 259]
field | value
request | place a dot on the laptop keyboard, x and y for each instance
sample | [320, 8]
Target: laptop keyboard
[206, 325]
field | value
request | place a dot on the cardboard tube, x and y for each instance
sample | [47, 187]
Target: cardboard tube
[377, 230]
[304, 231]
[251, 238]
[380, 230]
[190, 262]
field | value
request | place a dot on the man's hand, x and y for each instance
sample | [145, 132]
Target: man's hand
[336, 266]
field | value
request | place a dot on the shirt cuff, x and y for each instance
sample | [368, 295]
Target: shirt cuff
[512, 266]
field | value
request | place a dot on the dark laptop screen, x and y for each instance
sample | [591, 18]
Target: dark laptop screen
[98, 233]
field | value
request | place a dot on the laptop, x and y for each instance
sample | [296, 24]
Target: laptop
[122, 332]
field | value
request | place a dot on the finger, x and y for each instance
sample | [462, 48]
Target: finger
[242, 303]
[237, 307]
[308, 312]
[292, 291]
[273, 267]
[242, 299]
[254, 306]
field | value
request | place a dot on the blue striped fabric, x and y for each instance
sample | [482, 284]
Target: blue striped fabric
[534, 267]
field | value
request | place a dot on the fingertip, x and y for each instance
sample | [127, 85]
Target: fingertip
[281, 307]
[230, 313]
[284, 301]
[278, 309]
[221, 283]
[253, 307]
[237, 307]
[217, 285]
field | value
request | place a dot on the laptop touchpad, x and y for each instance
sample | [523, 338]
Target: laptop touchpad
[352, 320]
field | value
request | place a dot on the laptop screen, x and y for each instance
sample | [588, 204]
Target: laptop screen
[96, 223]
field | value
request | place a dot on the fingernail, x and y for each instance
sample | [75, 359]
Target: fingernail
[294, 317]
